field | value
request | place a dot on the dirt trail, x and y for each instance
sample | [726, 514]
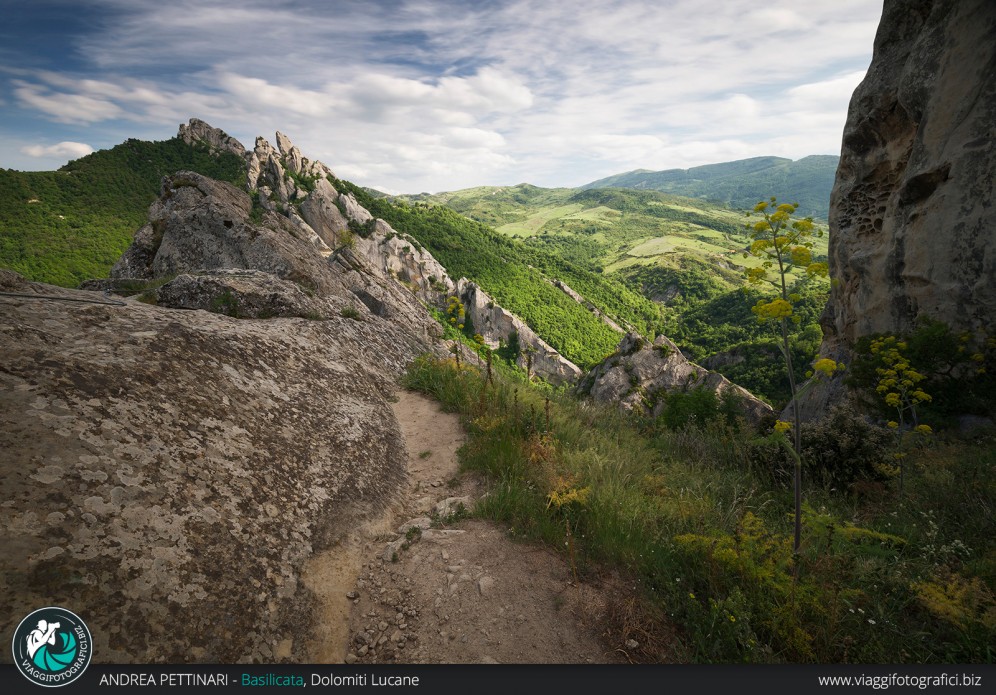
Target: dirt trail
[460, 592]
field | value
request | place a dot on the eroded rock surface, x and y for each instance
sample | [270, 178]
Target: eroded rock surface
[912, 219]
[640, 374]
[181, 466]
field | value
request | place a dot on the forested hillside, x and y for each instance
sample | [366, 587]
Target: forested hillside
[70, 225]
[740, 184]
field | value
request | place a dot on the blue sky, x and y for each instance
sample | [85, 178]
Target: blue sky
[430, 95]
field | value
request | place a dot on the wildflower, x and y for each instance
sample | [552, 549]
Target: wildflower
[825, 366]
[775, 309]
[820, 269]
[923, 429]
[870, 621]
[893, 424]
[801, 255]
[892, 399]
[781, 426]
[691, 595]
[732, 619]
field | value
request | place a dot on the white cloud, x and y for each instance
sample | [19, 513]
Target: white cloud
[441, 94]
[66, 149]
[63, 107]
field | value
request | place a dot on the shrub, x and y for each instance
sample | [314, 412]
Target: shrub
[837, 450]
[697, 407]
[844, 447]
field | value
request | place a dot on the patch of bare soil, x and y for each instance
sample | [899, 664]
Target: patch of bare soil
[421, 590]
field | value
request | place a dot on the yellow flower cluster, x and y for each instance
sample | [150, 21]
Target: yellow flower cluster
[782, 427]
[775, 309]
[456, 312]
[561, 498]
[779, 238]
[827, 367]
[898, 380]
[959, 601]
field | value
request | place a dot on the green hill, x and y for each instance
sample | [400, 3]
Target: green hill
[742, 183]
[683, 254]
[70, 225]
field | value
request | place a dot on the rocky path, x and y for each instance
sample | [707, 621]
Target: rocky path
[415, 590]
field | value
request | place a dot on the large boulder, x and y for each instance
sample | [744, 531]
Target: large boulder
[250, 294]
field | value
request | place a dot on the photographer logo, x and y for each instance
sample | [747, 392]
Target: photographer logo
[52, 647]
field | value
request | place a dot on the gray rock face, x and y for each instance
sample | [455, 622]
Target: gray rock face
[912, 214]
[639, 376]
[217, 140]
[384, 298]
[202, 224]
[496, 325]
[250, 294]
[399, 256]
[322, 214]
[182, 466]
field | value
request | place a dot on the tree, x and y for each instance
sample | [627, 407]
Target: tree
[785, 244]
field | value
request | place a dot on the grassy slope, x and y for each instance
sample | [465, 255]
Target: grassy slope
[701, 527]
[66, 226]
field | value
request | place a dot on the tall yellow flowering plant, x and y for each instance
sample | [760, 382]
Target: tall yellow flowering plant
[784, 244]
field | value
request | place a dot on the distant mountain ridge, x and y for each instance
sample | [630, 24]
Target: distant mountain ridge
[740, 184]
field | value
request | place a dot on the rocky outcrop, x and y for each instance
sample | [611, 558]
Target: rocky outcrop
[400, 256]
[321, 212]
[199, 223]
[496, 326]
[912, 214]
[182, 467]
[373, 259]
[197, 132]
[640, 375]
